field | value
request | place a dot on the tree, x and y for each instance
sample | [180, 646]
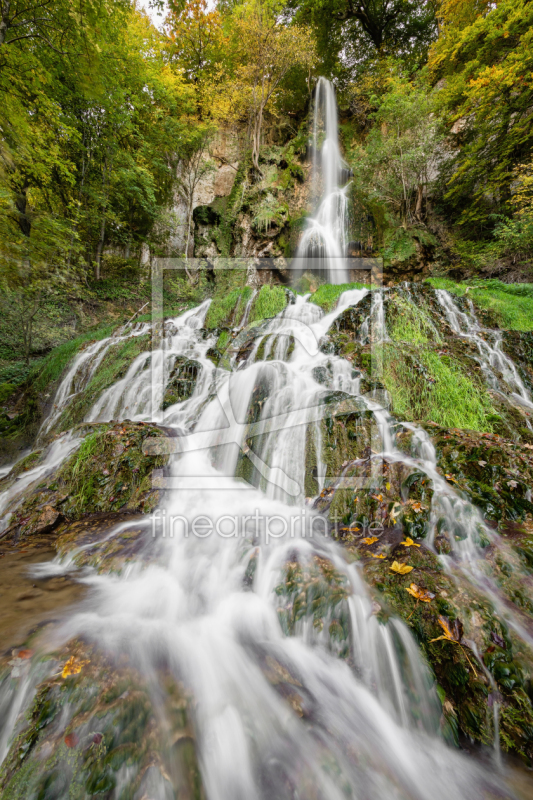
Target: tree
[194, 165]
[197, 38]
[395, 168]
[484, 62]
[269, 51]
[352, 32]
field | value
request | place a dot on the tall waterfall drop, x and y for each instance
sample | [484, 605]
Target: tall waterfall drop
[323, 245]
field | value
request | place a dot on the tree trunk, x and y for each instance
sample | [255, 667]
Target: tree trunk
[256, 141]
[21, 203]
[99, 249]
[4, 21]
[419, 200]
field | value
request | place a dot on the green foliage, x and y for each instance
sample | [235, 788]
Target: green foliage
[395, 165]
[270, 301]
[227, 309]
[428, 387]
[514, 237]
[481, 58]
[510, 303]
[270, 213]
[351, 36]
[326, 296]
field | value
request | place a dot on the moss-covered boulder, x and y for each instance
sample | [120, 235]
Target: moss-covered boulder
[107, 473]
[92, 729]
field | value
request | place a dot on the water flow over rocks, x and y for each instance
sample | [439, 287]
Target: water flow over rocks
[295, 682]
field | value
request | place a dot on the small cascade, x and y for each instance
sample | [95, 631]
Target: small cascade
[323, 245]
[52, 457]
[496, 365]
[139, 396]
[80, 372]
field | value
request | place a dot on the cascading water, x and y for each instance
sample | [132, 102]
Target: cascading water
[496, 365]
[83, 367]
[191, 607]
[323, 245]
[207, 598]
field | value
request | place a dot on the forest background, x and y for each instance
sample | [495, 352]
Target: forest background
[107, 126]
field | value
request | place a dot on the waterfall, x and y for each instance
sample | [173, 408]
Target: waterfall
[495, 364]
[284, 706]
[322, 249]
[190, 605]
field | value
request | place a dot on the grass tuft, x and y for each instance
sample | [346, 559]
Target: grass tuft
[326, 296]
[410, 323]
[511, 303]
[228, 308]
[270, 301]
[427, 387]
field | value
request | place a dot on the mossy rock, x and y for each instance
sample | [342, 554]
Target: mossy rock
[108, 472]
[181, 381]
[95, 729]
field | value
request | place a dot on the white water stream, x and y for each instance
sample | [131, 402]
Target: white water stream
[325, 238]
[362, 718]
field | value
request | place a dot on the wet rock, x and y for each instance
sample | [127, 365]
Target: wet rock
[91, 728]
[182, 381]
[109, 472]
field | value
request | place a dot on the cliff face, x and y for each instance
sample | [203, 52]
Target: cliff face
[238, 212]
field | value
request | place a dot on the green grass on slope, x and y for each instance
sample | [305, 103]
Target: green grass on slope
[511, 303]
[227, 308]
[428, 387]
[411, 323]
[51, 367]
[326, 296]
[270, 300]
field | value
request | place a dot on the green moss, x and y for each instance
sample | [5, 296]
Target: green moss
[227, 308]
[6, 390]
[326, 296]
[223, 341]
[107, 473]
[270, 301]
[426, 386]
[111, 725]
[318, 591]
[510, 303]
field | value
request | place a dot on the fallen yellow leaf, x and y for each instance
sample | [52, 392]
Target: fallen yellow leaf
[370, 539]
[72, 667]
[401, 569]
[377, 555]
[419, 594]
[409, 542]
